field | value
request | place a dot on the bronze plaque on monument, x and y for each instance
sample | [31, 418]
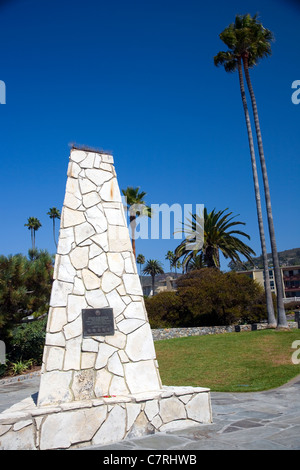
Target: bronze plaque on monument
[98, 322]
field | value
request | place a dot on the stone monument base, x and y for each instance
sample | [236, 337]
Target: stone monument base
[102, 421]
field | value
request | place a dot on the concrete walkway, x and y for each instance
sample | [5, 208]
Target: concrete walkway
[241, 421]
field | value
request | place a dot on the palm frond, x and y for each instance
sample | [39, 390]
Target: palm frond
[245, 37]
[216, 236]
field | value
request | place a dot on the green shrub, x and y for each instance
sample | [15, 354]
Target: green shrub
[25, 288]
[3, 369]
[17, 368]
[28, 342]
[164, 310]
[208, 297]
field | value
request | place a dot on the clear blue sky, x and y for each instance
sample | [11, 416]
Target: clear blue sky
[137, 78]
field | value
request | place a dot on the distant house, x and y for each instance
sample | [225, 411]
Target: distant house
[163, 282]
[290, 278]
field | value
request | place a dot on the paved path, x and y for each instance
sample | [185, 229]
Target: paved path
[241, 421]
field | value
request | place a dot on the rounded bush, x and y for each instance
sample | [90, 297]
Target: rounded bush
[208, 297]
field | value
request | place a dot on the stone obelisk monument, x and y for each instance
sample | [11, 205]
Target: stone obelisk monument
[98, 340]
[100, 381]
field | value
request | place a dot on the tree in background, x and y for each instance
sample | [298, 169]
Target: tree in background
[25, 288]
[136, 207]
[259, 39]
[153, 267]
[54, 214]
[33, 225]
[208, 297]
[237, 38]
[217, 236]
[196, 262]
[177, 264]
[13, 292]
[140, 260]
[170, 256]
[216, 298]
[174, 262]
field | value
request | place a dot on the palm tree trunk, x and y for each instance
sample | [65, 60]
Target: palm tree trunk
[153, 283]
[54, 232]
[32, 238]
[209, 257]
[269, 302]
[281, 316]
[133, 225]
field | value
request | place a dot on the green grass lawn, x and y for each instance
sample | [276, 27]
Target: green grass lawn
[229, 362]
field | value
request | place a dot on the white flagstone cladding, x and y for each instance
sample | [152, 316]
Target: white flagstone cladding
[97, 390]
[95, 268]
[102, 421]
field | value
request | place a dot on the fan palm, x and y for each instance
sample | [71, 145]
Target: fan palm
[248, 42]
[153, 267]
[170, 256]
[54, 213]
[177, 264]
[33, 225]
[136, 207]
[218, 236]
[232, 61]
[140, 260]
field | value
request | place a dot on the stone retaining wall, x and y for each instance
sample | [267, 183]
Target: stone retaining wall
[168, 333]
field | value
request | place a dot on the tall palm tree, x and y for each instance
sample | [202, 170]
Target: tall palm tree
[136, 207]
[170, 256]
[33, 225]
[218, 236]
[177, 264]
[153, 267]
[140, 260]
[232, 61]
[250, 41]
[54, 214]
